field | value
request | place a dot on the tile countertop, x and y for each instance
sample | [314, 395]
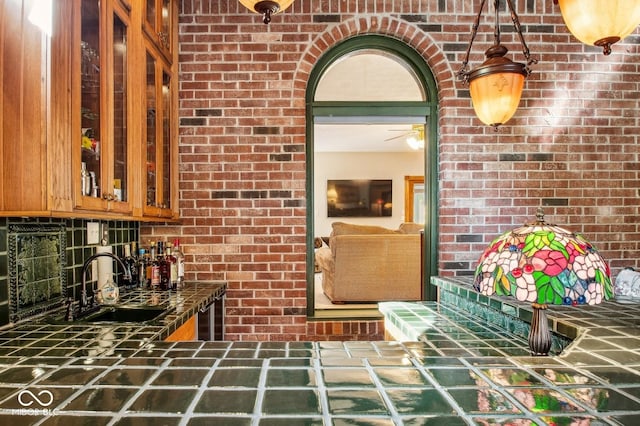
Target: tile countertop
[463, 371]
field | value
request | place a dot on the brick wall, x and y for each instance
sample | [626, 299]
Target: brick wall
[572, 146]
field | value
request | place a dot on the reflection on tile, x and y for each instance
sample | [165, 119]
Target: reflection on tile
[72, 376]
[148, 421]
[158, 400]
[127, 377]
[566, 376]
[284, 401]
[506, 421]
[360, 421]
[63, 420]
[278, 377]
[334, 377]
[615, 375]
[572, 420]
[180, 377]
[510, 377]
[401, 377]
[355, 402]
[482, 400]
[544, 400]
[234, 377]
[101, 399]
[22, 375]
[192, 362]
[227, 401]
[602, 399]
[434, 421]
[295, 421]
[226, 421]
[457, 377]
[419, 401]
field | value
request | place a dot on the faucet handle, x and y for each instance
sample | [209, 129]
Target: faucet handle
[70, 310]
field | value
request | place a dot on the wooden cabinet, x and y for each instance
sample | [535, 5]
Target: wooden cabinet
[104, 86]
[160, 106]
[98, 96]
[159, 24]
[185, 332]
[23, 101]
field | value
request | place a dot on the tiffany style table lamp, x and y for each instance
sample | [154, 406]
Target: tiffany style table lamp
[546, 265]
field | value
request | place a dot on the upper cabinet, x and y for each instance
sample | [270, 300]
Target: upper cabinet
[24, 51]
[89, 114]
[161, 109]
[159, 25]
[104, 117]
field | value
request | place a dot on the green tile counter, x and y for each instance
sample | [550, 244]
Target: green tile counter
[464, 371]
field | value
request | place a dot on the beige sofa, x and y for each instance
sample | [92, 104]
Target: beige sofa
[371, 263]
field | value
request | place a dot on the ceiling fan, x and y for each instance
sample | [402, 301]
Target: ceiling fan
[413, 137]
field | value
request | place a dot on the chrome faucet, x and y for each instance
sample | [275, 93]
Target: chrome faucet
[126, 275]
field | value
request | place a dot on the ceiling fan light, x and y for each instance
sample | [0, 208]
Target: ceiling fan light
[415, 143]
[600, 22]
[266, 7]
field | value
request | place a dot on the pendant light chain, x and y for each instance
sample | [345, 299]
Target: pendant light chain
[463, 74]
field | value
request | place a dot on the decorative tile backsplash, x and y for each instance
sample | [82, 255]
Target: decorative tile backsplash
[41, 277]
[37, 257]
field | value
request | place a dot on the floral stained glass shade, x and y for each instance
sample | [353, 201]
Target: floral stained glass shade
[544, 264]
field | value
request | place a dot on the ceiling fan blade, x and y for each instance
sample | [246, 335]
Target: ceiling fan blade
[398, 137]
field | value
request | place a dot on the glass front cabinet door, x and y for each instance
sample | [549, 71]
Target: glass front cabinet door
[102, 156]
[159, 129]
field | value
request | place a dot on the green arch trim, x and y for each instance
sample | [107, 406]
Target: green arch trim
[427, 109]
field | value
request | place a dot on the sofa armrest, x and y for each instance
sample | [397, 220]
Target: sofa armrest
[324, 259]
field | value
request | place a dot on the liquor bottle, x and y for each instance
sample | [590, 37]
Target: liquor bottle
[173, 267]
[179, 255]
[164, 267]
[143, 257]
[130, 263]
[154, 268]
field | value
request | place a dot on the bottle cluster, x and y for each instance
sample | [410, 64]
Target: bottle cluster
[158, 267]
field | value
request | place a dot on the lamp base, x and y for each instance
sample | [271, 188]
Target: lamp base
[539, 335]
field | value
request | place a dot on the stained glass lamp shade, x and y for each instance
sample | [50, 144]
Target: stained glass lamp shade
[546, 265]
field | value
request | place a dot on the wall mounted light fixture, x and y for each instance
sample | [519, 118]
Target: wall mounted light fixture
[496, 85]
[600, 22]
[266, 7]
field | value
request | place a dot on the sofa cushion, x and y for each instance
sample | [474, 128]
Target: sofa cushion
[342, 228]
[410, 228]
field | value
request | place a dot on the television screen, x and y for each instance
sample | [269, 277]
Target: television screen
[359, 198]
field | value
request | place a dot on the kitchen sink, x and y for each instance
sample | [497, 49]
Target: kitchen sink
[126, 313]
[136, 314]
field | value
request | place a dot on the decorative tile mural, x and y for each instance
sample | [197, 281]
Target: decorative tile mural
[37, 257]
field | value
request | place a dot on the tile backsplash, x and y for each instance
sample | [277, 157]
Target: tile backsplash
[46, 255]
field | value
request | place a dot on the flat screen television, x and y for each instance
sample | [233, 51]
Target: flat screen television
[359, 198]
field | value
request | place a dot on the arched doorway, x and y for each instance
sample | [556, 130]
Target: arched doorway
[364, 96]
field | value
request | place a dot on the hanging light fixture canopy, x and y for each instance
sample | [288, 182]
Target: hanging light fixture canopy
[496, 85]
[266, 7]
[600, 22]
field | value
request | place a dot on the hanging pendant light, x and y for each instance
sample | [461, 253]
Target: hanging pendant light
[600, 22]
[496, 85]
[266, 7]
